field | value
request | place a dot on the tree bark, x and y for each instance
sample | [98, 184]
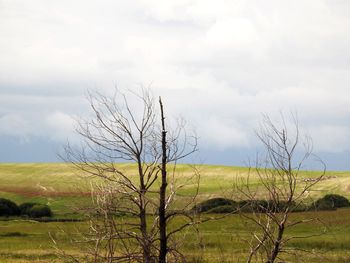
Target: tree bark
[162, 192]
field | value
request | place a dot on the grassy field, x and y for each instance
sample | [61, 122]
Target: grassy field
[218, 241]
[63, 188]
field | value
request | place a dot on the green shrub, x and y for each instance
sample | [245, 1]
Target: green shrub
[223, 205]
[322, 204]
[330, 202]
[38, 210]
[249, 206]
[8, 208]
[25, 207]
[209, 204]
[302, 207]
[253, 205]
[224, 209]
[261, 206]
[35, 210]
[337, 200]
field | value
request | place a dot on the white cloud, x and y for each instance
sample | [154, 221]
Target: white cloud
[61, 125]
[220, 64]
[222, 134]
[56, 126]
[231, 33]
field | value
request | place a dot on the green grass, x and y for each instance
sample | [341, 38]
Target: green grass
[23, 241]
[64, 188]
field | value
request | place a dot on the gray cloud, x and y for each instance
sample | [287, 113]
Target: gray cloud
[218, 64]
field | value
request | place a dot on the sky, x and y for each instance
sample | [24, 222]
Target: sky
[218, 64]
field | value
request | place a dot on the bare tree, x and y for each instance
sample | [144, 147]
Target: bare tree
[132, 208]
[282, 191]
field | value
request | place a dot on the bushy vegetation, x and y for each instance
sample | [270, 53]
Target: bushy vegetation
[214, 203]
[40, 211]
[261, 206]
[8, 208]
[331, 202]
[33, 210]
[25, 207]
[224, 205]
[224, 209]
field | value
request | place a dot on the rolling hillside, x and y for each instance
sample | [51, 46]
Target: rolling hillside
[63, 187]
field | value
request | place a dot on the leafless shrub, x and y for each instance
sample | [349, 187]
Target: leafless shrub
[279, 175]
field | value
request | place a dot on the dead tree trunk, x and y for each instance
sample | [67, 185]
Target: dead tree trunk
[162, 192]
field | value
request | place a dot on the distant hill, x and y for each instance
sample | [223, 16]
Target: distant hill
[64, 188]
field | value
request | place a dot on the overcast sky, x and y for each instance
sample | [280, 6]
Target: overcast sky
[220, 64]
